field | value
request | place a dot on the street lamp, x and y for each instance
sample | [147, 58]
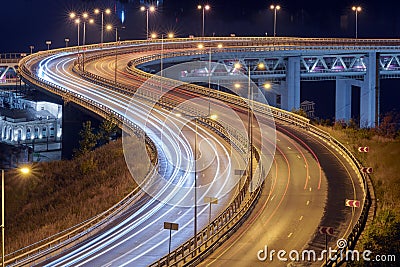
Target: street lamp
[31, 47]
[196, 118]
[356, 9]
[24, 171]
[66, 41]
[201, 46]
[250, 116]
[147, 9]
[48, 43]
[109, 27]
[170, 36]
[275, 8]
[203, 8]
[97, 11]
[210, 200]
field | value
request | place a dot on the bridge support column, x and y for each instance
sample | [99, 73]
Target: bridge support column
[369, 95]
[291, 100]
[343, 100]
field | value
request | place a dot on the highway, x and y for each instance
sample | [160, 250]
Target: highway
[305, 187]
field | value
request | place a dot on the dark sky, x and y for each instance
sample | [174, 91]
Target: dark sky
[32, 22]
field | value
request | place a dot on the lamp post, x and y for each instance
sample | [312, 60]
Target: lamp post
[356, 9]
[195, 118]
[77, 21]
[203, 8]
[210, 200]
[31, 47]
[109, 27]
[201, 46]
[250, 116]
[275, 8]
[147, 9]
[169, 35]
[97, 11]
[66, 42]
[48, 43]
[25, 171]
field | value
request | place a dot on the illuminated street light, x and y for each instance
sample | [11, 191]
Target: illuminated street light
[203, 8]
[98, 11]
[109, 27]
[275, 8]
[48, 43]
[25, 171]
[147, 9]
[250, 96]
[66, 41]
[356, 9]
[170, 36]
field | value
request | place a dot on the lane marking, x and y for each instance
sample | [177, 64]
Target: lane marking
[310, 189]
[301, 218]
[290, 235]
[308, 202]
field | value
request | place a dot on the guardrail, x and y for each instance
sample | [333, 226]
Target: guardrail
[288, 117]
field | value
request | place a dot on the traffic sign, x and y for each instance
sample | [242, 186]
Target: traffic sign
[352, 203]
[326, 230]
[363, 149]
[366, 169]
[171, 226]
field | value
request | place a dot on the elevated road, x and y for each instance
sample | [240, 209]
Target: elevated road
[300, 184]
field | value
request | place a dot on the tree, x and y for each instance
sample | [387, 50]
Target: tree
[107, 129]
[88, 139]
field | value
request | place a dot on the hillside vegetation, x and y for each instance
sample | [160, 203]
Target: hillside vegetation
[60, 194]
[382, 237]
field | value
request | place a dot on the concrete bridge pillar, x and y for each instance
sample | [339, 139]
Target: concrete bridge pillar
[343, 100]
[369, 95]
[291, 100]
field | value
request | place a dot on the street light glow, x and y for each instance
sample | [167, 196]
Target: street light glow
[72, 15]
[153, 35]
[200, 46]
[85, 15]
[109, 27]
[267, 86]
[237, 65]
[96, 11]
[170, 35]
[108, 11]
[25, 170]
[237, 85]
[77, 21]
[207, 7]
[152, 9]
[219, 46]
[358, 8]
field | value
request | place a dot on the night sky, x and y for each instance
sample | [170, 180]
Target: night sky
[33, 22]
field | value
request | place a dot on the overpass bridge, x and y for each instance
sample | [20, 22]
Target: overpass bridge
[281, 64]
[107, 92]
[9, 69]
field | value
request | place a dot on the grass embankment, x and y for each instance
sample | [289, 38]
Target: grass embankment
[61, 194]
[382, 236]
